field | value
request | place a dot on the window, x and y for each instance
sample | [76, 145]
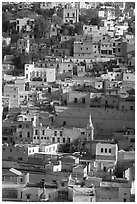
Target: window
[60, 133]
[50, 149]
[28, 197]
[101, 149]
[43, 132]
[131, 107]
[20, 158]
[34, 138]
[10, 150]
[73, 14]
[68, 139]
[105, 150]
[53, 139]
[83, 100]
[20, 126]
[55, 133]
[47, 138]
[132, 140]
[28, 134]
[29, 151]
[87, 48]
[37, 138]
[124, 200]
[63, 140]
[109, 150]
[58, 139]
[36, 132]
[64, 123]
[75, 100]
[68, 65]
[68, 14]
[20, 134]
[82, 133]
[42, 138]
[119, 49]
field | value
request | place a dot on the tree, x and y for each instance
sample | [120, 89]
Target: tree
[57, 20]
[64, 148]
[41, 27]
[6, 16]
[79, 28]
[20, 60]
[89, 16]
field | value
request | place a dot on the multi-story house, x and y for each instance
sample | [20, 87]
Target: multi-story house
[76, 98]
[17, 132]
[50, 5]
[106, 155]
[115, 190]
[63, 49]
[7, 68]
[70, 15]
[45, 135]
[12, 184]
[11, 91]
[65, 67]
[83, 48]
[120, 50]
[23, 45]
[18, 152]
[25, 24]
[125, 140]
[106, 47]
[24, 5]
[94, 30]
[40, 72]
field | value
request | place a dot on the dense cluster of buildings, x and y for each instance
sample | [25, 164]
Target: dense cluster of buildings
[80, 88]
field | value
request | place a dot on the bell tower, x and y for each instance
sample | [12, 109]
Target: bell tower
[90, 130]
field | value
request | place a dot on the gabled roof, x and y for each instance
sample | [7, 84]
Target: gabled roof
[12, 172]
[18, 173]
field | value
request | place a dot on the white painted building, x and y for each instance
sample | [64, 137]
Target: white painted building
[46, 135]
[47, 74]
[49, 148]
[106, 155]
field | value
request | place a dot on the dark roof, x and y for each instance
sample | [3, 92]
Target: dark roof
[40, 185]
